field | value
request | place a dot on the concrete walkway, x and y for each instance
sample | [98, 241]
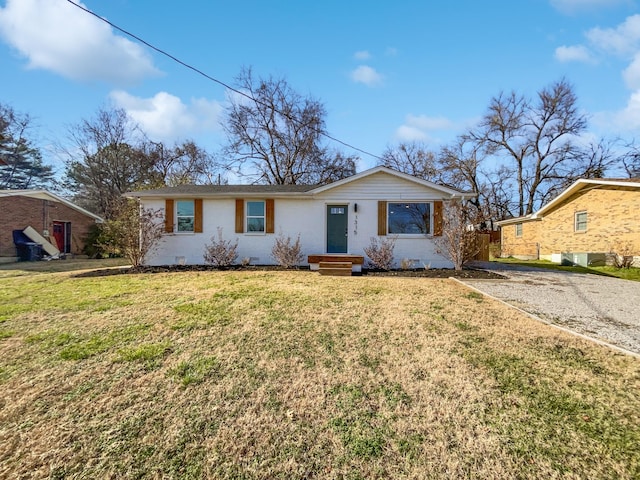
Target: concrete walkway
[604, 308]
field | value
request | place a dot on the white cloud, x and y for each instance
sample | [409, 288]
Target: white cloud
[391, 52]
[629, 118]
[622, 40]
[420, 127]
[366, 75]
[429, 123]
[631, 74]
[54, 35]
[407, 133]
[362, 55]
[574, 6]
[574, 53]
[166, 117]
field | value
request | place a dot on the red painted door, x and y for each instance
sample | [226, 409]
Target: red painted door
[58, 235]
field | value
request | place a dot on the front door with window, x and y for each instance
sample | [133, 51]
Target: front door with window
[62, 236]
[337, 228]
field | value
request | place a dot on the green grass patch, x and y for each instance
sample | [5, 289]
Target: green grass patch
[478, 297]
[632, 273]
[196, 371]
[150, 354]
[80, 346]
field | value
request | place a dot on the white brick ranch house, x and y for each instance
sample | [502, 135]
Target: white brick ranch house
[338, 218]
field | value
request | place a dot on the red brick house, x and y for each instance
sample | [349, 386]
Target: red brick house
[59, 221]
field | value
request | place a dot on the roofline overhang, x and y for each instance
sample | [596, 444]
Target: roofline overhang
[45, 193]
[446, 192]
[581, 184]
[511, 221]
[231, 194]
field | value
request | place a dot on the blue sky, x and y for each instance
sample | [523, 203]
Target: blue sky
[385, 71]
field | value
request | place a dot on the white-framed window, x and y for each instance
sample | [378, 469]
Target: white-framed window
[409, 218]
[581, 221]
[185, 215]
[255, 216]
[518, 229]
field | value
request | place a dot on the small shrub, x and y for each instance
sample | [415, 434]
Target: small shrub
[622, 254]
[285, 253]
[134, 233]
[221, 252]
[381, 253]
[458, 242]
[406, 264]
[495, 250]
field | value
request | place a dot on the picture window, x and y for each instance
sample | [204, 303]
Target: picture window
[409, 218]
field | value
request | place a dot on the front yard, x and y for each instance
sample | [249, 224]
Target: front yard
[262, 375]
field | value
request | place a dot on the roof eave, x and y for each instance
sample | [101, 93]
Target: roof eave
[510, 221]
[55, 198]
[265, 194]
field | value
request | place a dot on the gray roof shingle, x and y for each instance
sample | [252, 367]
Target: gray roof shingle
[204, 190]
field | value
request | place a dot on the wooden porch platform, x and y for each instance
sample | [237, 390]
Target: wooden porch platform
[336, 264]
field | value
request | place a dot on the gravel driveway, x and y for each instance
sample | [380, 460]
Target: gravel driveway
[604, 308]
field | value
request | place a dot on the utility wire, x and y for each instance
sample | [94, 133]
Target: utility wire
[219, 82]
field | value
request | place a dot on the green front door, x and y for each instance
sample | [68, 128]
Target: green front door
[337, 228]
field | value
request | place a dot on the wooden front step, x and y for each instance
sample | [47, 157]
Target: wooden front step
[354, 259]
[335, 268]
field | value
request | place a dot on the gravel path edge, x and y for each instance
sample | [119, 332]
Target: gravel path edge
[542, 320]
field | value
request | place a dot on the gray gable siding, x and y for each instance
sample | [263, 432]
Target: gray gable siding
[381, 186]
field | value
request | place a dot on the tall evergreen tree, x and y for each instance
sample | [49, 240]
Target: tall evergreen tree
[21, 165]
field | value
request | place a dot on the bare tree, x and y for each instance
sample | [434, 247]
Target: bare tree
[592, 160]
[184, 163]
[279, 132]
[110, 155]
[106, 161]
[459, 243]
[537, 136]
[133, 232]
[413, 158]
[460, 165]
[631, 160]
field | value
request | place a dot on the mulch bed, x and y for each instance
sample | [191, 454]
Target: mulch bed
[424, 273]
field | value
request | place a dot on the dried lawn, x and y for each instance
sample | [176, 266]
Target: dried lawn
[261, 375]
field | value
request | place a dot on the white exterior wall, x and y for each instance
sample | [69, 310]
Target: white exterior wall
[363, 224]
[307, 217]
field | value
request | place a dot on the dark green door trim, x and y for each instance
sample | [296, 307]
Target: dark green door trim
[337, 228]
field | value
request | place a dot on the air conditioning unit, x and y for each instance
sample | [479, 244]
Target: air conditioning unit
[584, 259]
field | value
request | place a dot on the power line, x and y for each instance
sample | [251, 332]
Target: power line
[213, 79]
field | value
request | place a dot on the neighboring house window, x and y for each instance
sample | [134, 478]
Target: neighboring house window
[581, 221]
[409, 218]
[255, 216]
[518, 229]
[185, 215]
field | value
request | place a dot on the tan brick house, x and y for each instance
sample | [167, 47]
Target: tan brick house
[59, 221]
[591, 216]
